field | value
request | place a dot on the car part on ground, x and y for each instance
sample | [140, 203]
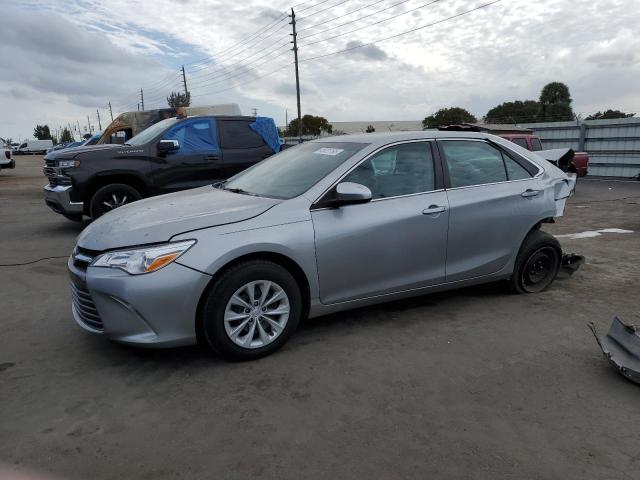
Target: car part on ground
[325, 226]
[570, 264]
[621, 347]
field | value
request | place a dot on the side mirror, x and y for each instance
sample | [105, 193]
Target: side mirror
[349, 193]
[165, 146]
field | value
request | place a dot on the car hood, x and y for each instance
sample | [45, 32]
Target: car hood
[158, 219]
[70, 153]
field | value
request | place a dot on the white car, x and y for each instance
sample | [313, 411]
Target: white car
[6, 158]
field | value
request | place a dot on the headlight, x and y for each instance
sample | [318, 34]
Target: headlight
[143, 260]
[68, 163]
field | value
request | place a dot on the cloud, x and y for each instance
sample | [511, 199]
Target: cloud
[370, 52]
[74, 57]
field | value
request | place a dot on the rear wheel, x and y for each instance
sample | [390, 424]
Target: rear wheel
[111, 197]
[537, 263]
[251, 310]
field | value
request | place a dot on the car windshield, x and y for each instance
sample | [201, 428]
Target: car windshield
[153, 131]
[294, 170]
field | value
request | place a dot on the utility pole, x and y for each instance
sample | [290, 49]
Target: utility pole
[79, 130]
[254, 111]
[110, 111]
[184, 81]
[99, 124]
[71, 130]
[89, 123]
[142, 99]
[295, 56]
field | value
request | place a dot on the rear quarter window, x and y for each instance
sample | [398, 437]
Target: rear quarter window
[536, 144]
[237, 134]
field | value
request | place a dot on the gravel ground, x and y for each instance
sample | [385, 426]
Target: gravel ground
[474, 383]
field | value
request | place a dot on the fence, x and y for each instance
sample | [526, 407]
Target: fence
[613, 145]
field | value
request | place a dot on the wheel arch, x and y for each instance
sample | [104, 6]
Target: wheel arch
[278, 258]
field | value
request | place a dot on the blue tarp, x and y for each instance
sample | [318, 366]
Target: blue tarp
[266, 128]
[195, 136]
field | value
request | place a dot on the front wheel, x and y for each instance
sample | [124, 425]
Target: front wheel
[537, 264]
[110, 197]
[251, 310]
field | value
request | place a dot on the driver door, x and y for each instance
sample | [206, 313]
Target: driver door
[395, 242]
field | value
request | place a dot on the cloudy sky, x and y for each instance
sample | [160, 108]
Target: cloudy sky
[65, 59]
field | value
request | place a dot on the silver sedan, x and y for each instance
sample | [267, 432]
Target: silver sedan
[328, 225]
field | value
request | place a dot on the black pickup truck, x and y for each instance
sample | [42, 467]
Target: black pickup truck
[174, 154]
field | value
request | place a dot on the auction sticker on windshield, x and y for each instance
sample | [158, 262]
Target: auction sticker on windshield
[329, 151]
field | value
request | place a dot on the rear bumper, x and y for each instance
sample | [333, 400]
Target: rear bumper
[58, 199]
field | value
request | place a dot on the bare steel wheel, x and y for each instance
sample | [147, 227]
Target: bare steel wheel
[256, 314]
[250, 310]
[537, 263]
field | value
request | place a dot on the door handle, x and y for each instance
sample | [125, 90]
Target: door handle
[531, 193]
[213, 157]
[433, 209]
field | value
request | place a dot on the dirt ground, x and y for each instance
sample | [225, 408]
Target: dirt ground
[474, 383]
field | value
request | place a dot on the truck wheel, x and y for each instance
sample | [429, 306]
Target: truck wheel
[537, 263]
[251, 310]
[110, 197]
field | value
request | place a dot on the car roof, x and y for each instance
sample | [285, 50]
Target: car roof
[383, 138]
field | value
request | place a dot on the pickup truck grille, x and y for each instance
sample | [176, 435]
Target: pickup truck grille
[85, 308]
[54, 177]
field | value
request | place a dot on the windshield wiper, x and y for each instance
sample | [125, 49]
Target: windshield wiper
[127, 145]
[240, 191]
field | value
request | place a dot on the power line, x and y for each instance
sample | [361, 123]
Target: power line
[466, 12]
[311, 6]
[251, 37]
[343, 15]
[371, 24]
[323, 10]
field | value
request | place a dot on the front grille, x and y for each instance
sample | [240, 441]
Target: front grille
[53, 175]
[85, 308]
[82, 257]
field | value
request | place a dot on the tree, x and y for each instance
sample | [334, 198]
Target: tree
[42, 132]
[514, 112]
[609, 114]
[448, 116]
[177, 99]
[370, 129]
[65, 136]
[555, 103]
[311, 125]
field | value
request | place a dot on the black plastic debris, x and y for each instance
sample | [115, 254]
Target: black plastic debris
[570, 264]
[621, 346]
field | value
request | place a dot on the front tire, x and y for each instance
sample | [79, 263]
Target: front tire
[110, 197]
[537, 264]
[251, 310]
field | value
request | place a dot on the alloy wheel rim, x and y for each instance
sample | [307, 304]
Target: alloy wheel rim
[538, 269]
[115, 200]
[256, 314]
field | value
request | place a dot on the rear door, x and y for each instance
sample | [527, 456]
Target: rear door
[241, 146]
[197, 161]
[494, 200]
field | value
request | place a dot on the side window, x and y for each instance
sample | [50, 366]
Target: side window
[515, 171]
[536, 145]
[237, 134]
[194, 136]
[520, 141]
[395, 171]
[477, 163]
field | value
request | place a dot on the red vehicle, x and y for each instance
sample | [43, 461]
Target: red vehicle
[579, 163]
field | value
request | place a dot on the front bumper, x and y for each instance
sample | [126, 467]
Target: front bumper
[58, 199]
[8, 163]
[158, 309]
